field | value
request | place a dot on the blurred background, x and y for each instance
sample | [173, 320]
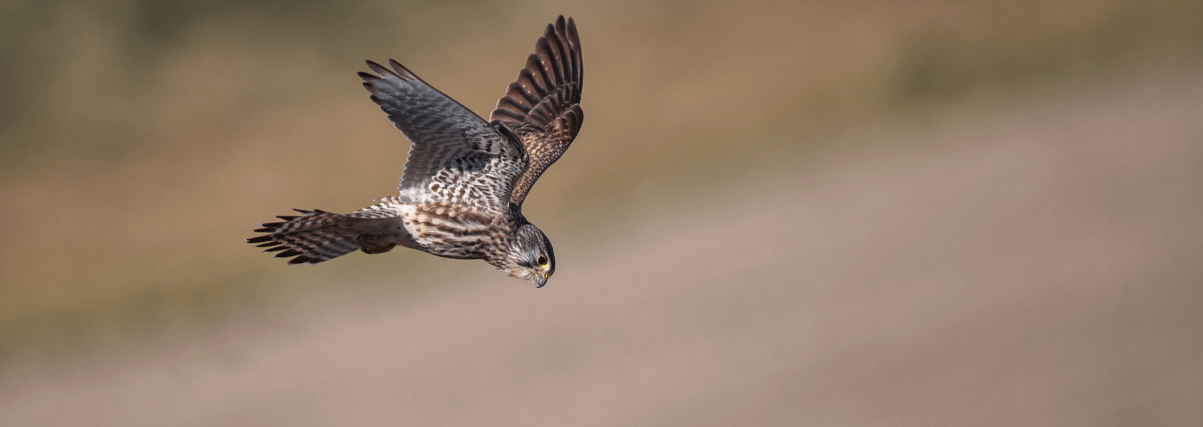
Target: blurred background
[777, 213]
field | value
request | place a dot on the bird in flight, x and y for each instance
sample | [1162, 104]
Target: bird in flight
[465, 179]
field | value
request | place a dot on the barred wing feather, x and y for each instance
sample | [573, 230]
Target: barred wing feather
[543, 105]
[456, 156]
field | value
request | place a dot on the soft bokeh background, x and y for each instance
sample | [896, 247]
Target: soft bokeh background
[777, 213]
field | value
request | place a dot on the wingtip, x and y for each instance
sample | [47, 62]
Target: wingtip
[560, 25]
[573, 35]
[400, 69]
[379, 69]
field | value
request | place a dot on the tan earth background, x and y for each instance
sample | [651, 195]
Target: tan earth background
[778, 213]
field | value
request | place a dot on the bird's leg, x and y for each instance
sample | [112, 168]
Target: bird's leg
[370, 244]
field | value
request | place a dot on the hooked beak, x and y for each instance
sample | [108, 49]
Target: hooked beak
[540, 279]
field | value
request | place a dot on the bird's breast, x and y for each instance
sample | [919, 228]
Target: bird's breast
[452, 230]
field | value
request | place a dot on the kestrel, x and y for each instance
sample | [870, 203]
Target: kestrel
[465, 179]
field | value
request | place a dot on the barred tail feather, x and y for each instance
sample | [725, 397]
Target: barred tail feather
[311, 238]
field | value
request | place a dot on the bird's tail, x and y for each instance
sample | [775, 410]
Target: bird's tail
[311, 238]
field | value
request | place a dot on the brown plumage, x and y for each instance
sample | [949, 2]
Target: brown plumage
[543, 105]
[464, 182]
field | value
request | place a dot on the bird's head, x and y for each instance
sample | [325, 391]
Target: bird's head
[530, 256]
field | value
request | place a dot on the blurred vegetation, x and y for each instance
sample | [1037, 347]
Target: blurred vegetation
[142, 140]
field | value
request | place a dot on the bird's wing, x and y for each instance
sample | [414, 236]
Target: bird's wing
[543, 105]
[456, 156]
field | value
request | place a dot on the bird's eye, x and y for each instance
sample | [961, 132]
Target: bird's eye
[542, 260]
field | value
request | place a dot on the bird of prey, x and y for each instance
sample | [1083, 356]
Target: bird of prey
[465, 179]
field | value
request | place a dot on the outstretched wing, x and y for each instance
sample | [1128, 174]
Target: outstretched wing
[456, 156]
[543, 105]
